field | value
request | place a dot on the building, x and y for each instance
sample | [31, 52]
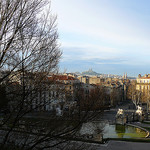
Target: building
[41, 92]
[143, 82]
[84, 79]
[95, 80]
[143, 90]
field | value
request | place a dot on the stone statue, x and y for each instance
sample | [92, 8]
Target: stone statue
[139, 110]
[120, 113]
[139, 114]
[120, 117]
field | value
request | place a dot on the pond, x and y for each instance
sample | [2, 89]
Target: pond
[95, 130]
[123, 131]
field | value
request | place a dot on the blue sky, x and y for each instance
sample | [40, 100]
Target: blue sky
[109, 36]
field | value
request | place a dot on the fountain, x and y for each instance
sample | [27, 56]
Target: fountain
[120, 117]
[99, 130]
[139, 110]
[139, 114]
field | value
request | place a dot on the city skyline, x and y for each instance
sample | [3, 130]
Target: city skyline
[111, 37]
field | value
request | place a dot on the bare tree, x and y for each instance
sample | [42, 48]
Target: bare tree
[96, 99]
[133, 94]
[29, 51]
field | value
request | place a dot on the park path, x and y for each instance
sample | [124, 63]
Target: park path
[111, 145]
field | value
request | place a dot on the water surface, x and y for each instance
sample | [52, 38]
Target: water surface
[98, 129]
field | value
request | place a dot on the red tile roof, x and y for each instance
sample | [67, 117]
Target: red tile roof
[61, 77]
[144, 78]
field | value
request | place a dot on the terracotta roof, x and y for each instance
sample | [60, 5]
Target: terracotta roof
[61, 77]
[144, 78]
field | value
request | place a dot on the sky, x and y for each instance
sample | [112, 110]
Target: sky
[109, 36]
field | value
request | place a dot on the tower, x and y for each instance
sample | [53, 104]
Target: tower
[125, 76]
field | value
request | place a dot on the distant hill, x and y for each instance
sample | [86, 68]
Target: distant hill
[77, 73]
[90, 72]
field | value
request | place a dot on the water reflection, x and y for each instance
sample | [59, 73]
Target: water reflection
[120, 130]
[97, 130]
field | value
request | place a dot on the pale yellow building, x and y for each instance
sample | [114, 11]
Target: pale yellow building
[143, 86]
[84, 79]
[143, 83]
[94, 80]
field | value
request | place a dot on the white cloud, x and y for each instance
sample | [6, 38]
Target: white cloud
[119, 34]
[100, 22]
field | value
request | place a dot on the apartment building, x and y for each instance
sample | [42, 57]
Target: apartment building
[143, 82]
